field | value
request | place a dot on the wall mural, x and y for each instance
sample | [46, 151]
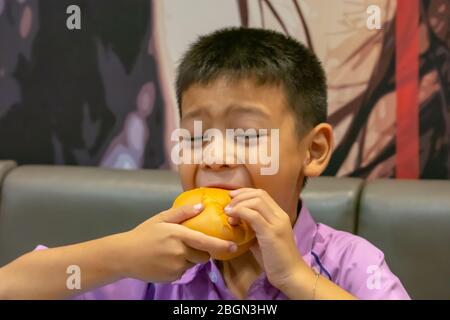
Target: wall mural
[103, 95]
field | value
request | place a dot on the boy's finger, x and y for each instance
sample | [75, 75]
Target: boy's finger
[203, 242]
[255, 204]
[196, 256]
[234, 221]
[236, 192]
[252, 217]
[178, 215]
[252, 194]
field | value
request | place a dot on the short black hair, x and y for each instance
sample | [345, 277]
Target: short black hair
[267, 56]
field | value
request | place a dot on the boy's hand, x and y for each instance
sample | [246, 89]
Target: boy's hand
[160, 249]
[275, 249]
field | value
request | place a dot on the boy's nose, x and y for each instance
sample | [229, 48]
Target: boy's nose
[217, 166]
[218, 155]
[218, 159]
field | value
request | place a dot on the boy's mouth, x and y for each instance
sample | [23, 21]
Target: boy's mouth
[222, 186]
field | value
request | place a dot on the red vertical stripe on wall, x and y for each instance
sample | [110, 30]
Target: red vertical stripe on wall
[407, 89]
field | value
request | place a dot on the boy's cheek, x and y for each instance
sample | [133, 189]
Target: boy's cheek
[186, 173]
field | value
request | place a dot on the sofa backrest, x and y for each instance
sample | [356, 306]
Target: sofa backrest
[5, 167]
[409, 220]
[334, 201]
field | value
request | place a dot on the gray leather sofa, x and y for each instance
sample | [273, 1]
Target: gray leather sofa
[57, 205]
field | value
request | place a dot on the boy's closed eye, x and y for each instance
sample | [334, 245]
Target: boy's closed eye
[240, 139]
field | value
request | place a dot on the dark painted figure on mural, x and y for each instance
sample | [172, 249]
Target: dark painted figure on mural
[67, 111]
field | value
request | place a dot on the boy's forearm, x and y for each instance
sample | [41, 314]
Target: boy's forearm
[306, 285]
[43, 274]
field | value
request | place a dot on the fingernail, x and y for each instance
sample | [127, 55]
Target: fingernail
[233, 192]
[233, 247]
[198, 206]
[227, 209]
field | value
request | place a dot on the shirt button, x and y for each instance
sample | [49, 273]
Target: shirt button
[213, 277]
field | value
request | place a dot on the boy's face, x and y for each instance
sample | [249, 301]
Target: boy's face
[243, 104]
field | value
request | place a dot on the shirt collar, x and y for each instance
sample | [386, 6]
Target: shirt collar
[304, 230]
[191, 273]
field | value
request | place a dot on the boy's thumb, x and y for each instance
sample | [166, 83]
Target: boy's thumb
[180, 214]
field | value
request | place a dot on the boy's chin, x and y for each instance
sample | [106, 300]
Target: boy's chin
[243, 248]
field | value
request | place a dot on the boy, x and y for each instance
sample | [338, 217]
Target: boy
[232, 78]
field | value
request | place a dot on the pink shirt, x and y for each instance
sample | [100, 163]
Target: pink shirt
[348, 260]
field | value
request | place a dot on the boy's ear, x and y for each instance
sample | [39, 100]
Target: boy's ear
[319, 150]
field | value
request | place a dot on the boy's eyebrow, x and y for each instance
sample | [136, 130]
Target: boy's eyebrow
[192, 114]
[240, 108]
[234, 108]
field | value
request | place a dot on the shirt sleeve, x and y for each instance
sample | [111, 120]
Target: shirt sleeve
[365, 273]
[125, 289]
